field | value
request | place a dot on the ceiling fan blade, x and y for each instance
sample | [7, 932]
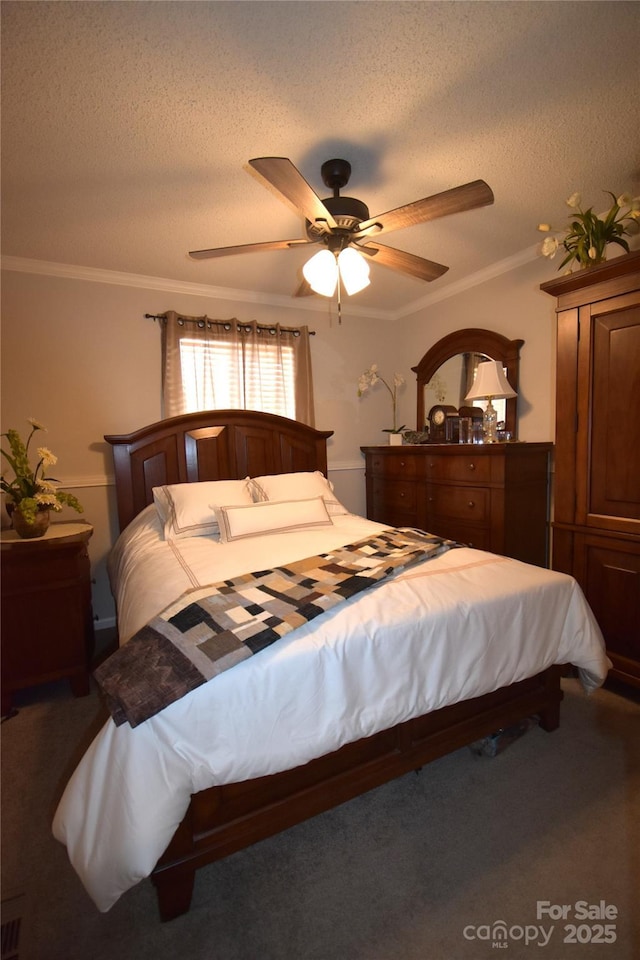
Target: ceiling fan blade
[291, 187]
[466, 197]
[247, 248]
[402, 261]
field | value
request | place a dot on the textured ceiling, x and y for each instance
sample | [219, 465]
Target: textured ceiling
[126, 127]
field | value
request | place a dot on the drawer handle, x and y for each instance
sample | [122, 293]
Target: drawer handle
[402, 496]
[403, 463]
[472, 466]
[471, 504]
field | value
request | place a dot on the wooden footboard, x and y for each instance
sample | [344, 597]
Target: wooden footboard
[228, 818]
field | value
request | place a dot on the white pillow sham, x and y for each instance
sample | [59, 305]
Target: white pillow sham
[297, 486]
[283, 516]
[188, 509]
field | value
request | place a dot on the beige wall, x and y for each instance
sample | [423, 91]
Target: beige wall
[78, 355]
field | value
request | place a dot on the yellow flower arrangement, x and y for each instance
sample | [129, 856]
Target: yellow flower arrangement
[30, 490]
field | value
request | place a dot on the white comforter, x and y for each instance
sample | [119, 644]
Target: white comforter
[452, 628]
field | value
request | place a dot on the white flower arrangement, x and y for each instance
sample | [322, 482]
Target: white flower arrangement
[369, 379]
[586, 238]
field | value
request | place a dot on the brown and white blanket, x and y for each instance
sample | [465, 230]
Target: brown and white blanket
[210, 629]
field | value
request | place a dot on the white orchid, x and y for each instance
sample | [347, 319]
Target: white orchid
[369, 378]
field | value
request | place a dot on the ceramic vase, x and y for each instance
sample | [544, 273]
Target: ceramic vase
[28, 530]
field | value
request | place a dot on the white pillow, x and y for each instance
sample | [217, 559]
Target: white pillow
[283, 516]
[187, 509]
[297, 486]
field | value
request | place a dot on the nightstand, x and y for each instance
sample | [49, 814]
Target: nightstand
[47, 620]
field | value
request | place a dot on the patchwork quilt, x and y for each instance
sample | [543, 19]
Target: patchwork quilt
[210, 629]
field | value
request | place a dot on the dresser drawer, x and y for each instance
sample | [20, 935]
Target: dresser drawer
[478, 537]
[399, 466]
[471, 504]
[475, 469]
[394, 498]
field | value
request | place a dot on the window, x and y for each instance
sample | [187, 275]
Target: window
[219, 365]
[208, 383]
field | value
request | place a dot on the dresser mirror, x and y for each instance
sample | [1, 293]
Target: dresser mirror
[444, 371]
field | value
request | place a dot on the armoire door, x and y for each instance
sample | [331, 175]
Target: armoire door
[609, 374]
[596, 529]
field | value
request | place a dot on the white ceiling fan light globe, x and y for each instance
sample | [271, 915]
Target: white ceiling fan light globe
[321, 273]
[354, 270]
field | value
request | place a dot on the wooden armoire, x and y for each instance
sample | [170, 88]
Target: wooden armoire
[596, 525]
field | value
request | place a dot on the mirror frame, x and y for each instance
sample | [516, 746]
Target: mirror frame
[472, 340]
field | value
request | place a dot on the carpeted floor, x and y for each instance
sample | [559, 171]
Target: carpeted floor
[420, 869]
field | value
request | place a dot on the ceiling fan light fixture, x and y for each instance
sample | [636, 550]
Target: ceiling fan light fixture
[321, 273]
[354, 270]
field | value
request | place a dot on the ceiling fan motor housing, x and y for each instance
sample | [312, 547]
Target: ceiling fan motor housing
[348, 212]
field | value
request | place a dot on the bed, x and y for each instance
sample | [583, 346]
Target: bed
[430, 660]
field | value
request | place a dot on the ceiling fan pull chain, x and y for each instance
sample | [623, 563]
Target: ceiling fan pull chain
[339, 300]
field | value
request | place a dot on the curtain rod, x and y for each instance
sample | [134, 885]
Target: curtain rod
[205, 319]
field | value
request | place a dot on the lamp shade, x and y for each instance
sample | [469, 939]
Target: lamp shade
[321, 273]
[490, 381]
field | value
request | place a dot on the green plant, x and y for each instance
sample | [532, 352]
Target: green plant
[30, 490]
[369, 379]
[587, 236]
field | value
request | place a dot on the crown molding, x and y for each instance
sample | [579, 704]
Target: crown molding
[98, 275]
[473, 280]
[119, 278]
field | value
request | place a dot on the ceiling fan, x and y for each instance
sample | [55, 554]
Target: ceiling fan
[342, 224]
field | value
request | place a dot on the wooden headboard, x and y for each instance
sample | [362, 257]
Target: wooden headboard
[210, 445]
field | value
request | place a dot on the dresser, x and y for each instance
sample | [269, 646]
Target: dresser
[491, 496]
[47, 622]
[596, 529]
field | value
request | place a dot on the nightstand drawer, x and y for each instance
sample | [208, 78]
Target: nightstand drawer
[459, 468]
[458, 503]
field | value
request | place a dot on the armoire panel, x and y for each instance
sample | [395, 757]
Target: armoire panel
[614, 488]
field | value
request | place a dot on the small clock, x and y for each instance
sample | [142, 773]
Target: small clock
[437, 419]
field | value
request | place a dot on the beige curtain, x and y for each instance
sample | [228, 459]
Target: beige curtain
[224, 364]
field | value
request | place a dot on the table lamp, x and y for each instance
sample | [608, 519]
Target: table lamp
[491, 384]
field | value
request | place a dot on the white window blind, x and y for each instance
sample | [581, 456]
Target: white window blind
[220, 376]
[230, 365]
